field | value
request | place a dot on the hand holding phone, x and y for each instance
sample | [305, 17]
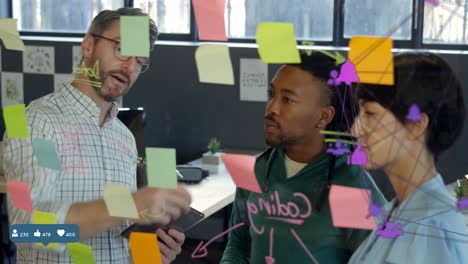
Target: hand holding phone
[182, 224]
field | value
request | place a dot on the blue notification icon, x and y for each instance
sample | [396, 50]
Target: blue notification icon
[45, 234]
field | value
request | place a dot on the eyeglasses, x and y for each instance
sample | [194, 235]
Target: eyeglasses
[142, 63]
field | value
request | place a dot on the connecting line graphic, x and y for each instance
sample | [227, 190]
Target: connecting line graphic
[145, 214]
[202, 251]
[452, 15]
[269, 259]
[303, 246]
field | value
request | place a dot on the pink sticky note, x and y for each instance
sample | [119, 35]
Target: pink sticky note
[209, 15]
[350, 207]
[241, 168]
[20, 196]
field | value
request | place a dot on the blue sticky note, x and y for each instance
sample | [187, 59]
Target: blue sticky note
[134, 36]
[46, 154]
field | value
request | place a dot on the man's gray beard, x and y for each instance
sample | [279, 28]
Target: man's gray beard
[106, 97]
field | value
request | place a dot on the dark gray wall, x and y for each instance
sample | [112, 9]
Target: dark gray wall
[184, 114]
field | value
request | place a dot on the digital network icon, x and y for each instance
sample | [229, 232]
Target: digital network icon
[347, 74]
[434, 3]
[414, 114]
[390, 231]
[358, 157]
[374, 210]
[462, 204]
[338, 149]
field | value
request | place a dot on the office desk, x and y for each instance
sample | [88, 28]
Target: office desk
[213, 193]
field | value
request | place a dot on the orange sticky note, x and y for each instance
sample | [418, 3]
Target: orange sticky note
[277, 43]
[373, 59]
[19, 195]
[209, 15]
[241, 169]
[350, 207]
[144, 248]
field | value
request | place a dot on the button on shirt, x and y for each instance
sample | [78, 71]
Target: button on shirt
[433, 232]
[90, 156]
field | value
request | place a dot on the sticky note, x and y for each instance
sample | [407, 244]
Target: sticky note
[15, 121]
[214, 64]
[209, 15]
[9, 34]
[19, 195]
[161, 167]
[144, 248]
[80, 253]
[119, 201]
[134, 36]
[40, 218]
[241, 169]
[46, 154]
[350, 207]
[373, 59]
[277, 43]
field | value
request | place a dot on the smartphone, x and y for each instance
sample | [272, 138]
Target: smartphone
[181, 224]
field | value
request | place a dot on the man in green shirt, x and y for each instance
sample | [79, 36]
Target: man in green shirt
[291, 222]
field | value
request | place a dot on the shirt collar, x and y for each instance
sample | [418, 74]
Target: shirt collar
[419, 196]
[84, 104]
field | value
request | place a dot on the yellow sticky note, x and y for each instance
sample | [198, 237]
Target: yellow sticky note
[277, 43]
[373, 59]
[44, 218]
[9, 34]
[144, 248]
[15, 121]
[119, 201]
[80, 253]
[134, 36]
[214, 64]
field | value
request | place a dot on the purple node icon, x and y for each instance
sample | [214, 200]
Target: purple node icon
[358, 157]
[434, 3]
[389, 231]
[414, 114]
[348, 73]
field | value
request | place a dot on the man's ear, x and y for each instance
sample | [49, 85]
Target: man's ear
[87, 47]
[326, 115]
[416, 129]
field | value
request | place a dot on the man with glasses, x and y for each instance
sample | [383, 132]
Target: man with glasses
[94, 149]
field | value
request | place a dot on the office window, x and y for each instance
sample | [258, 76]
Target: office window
[446, 23]
[378, 18]
[312, 19]
[59, 16]
[171, 16]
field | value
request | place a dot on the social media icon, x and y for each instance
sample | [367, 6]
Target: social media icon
[60, 232]
[15, 233]
[37, 233]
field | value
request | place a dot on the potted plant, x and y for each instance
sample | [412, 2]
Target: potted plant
[213, 156]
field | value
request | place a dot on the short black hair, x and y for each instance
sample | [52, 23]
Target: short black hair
[428, 81]
[320, 66]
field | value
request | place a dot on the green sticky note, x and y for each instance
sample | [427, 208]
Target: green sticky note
[161, 167]
[277, 43]
[134, 36]
[44, 218]
[119, 201]
[81, 253]
[15, 121]
[46, 154]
